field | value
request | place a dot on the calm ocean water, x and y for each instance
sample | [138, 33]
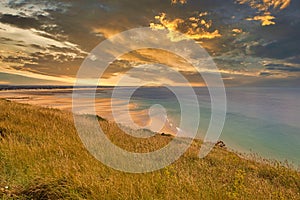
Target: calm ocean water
[265, 121]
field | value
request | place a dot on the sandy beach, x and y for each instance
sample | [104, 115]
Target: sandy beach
[123, 113]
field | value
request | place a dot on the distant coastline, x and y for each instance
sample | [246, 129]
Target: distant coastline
[33, 87]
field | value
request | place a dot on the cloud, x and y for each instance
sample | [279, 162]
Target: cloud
[32, 8]
[19, 21]
[236, 30]
[195, 27]
[148, 56]
[265, 74]
[264, 8]
[282, 69]
[178, 1]
[30, 50]
[33, 36]
[265, 19]
[51, 38]
[14, 79]
[266, 5]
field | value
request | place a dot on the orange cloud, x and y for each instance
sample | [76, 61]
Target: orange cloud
[194, 27]
[264, 8]
[236, 30]
[266, 19]
[178, 1]
[265, 5]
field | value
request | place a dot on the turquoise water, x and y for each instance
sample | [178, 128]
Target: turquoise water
[265, 121]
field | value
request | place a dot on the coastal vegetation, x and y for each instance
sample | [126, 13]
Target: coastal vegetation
[42, 157]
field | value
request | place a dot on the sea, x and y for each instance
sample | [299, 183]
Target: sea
[264, 122]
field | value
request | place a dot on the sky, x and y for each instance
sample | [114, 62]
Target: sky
[252, 42]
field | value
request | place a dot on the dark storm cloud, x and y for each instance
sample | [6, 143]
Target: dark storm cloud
[278, 67]
[19, 21]
[279, 41]
[265, 74]
[280, 49]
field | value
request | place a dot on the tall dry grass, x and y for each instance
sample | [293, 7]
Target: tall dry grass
[42, 157]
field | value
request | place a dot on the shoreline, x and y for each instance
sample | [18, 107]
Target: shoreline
[103, 107]
[46, 98]
[253, 157]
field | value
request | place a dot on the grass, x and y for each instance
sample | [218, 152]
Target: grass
[42, 157]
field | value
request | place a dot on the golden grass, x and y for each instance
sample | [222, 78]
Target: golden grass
[42, 157]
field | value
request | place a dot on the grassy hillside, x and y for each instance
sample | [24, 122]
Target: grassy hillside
[42, 157]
